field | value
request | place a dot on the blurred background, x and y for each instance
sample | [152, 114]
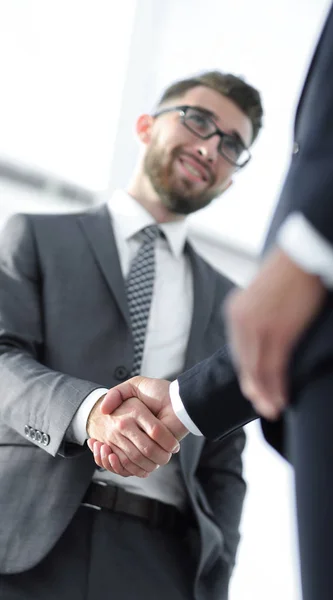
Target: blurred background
[75, 74]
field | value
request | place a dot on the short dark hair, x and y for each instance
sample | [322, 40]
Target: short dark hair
[246, 97]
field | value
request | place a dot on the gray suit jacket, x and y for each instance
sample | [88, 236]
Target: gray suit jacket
[64, 331]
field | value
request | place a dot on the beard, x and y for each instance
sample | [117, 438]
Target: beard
[179, 197]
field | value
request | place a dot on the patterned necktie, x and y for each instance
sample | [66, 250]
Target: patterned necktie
[139, 287]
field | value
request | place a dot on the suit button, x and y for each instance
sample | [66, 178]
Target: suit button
[45, 439]
[38, 436]
[121, 373]
[295, 148]
[32, 433]
[27, 431]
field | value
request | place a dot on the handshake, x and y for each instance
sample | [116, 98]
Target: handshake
[133, 429]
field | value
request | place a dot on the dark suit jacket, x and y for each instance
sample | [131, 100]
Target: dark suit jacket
[65, 331]
[308, 189]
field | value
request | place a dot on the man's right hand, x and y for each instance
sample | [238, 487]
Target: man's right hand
[136, 438]
[154, 395]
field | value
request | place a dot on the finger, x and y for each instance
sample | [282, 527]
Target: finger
[105, 462]
[149, 391]
[234, 328]
[140, 452]
[101, 454]
[97, 454]
[115, 396]
[264, 382]
[274, 374]
[160, 442]
[108, 460]
[117, 458]
[135, 431]
[104, 451]
[261, 406]
[266, 410]
[115, 466]
[268, 406]
[261, 355]
[269, 376]
[90, 444]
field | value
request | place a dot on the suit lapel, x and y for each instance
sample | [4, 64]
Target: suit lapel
[204, 284]
[325, 32]
[189, 455]
[96, 225]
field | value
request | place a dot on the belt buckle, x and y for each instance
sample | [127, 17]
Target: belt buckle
[94, 506]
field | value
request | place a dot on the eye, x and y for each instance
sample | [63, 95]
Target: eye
[198, 121]
[232, 146]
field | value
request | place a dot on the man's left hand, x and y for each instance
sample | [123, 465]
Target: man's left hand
[265, 322]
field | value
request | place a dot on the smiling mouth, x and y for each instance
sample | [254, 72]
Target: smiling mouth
[196, 172]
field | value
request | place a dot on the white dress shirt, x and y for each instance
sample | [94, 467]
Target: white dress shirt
[306, 247]
[310, 251]
[167, 330]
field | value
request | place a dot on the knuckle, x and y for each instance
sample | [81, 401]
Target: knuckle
[122, 424]
[125, 461]
[136, 456]
[137, 472]
[156, 431]
[150, 468]
[147, 450]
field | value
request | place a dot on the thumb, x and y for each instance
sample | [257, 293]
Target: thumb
[112, 400]
[150, 391]
[117, 395]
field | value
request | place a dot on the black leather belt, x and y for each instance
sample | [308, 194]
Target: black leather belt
[154, 512]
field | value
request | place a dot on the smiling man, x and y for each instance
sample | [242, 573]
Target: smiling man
[86, 302]
[195, 141]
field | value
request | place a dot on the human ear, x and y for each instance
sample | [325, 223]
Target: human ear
[144, 128]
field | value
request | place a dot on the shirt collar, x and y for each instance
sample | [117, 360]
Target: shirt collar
[130, 218]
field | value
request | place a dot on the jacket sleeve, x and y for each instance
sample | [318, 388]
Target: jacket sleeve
[33, 397]
[219, 473]
[212, 397]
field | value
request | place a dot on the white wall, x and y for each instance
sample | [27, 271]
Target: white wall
[270, 43]
[16, 198]
[62, 70]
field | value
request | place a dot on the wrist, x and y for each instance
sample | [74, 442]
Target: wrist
[94, 418]
[172, 422]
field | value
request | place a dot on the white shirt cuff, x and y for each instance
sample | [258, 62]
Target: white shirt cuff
[179, 409]
[77, 431]
[306, 247]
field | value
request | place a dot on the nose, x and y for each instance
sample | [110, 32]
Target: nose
[208, 149]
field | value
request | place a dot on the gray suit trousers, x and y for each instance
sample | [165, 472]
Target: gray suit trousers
[107, 556]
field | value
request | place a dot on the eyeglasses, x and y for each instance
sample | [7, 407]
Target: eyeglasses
[199, 122]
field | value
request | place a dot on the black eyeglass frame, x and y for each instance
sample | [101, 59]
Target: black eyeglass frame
[222, 134]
